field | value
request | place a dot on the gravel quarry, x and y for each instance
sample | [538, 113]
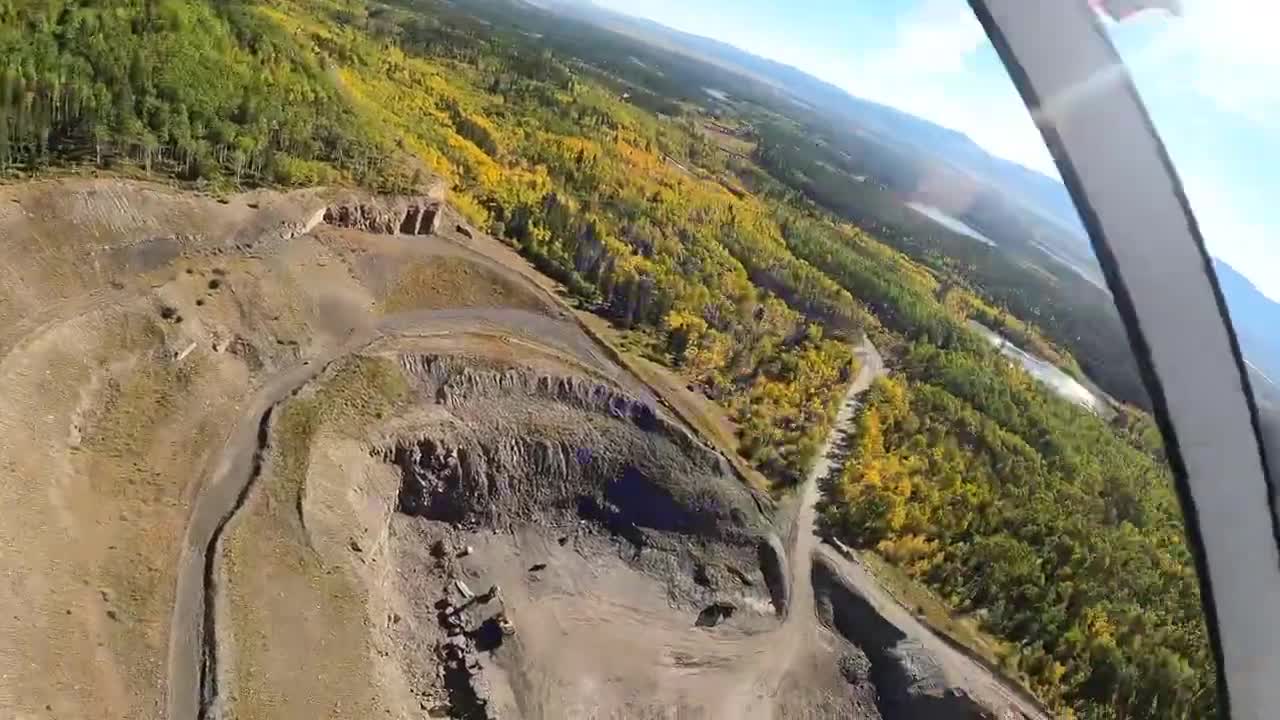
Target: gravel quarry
[326, 454]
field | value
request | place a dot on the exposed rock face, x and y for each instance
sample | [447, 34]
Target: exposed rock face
[591, 450]
[501, 479]
[454, 382]
[507, 446]
[909, 682]
[557, 459]
[715, 613]
[773, 563]
[406, 215]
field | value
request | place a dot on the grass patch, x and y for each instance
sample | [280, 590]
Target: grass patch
[357, 391]
[145, 432]
[450, 282]
[298, 626]
[132, 406]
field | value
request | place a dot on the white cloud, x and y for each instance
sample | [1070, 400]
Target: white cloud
[1209, 80]
[1233, 49]
[922, 64]
[937, 37]
[927, 70]
[1221, 50]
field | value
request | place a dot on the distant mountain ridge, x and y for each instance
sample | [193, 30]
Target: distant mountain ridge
[1042, 194]
[1256, 317]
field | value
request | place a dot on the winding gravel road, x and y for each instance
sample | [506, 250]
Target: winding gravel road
[189, 658]
[803, 540]
[762, 662]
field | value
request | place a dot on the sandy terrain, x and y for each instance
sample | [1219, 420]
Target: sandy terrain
[255, 456]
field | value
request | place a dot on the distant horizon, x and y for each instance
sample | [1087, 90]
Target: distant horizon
[1050, 173]
[1034, 157]
[936, 63]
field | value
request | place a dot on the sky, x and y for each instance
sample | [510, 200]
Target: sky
[1211, 80]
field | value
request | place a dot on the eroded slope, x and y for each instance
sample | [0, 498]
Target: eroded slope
[552, 475]
[137, 324]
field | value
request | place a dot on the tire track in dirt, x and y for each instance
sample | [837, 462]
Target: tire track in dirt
[189, 691]
[776, 653]
[760, 661]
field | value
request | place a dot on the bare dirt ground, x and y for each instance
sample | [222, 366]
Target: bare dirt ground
[255, 465]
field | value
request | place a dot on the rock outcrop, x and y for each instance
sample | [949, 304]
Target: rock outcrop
[585, 448]
[773, 563]
[388, 215]
[909, 682]
[499, 446]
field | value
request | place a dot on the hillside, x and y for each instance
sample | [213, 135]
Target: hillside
[919, 143]
[534, 455]
[1037, 192]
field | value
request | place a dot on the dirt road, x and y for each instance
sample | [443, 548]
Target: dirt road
[606, 619]
[804, 541]
[796, 646]
[190, 661]
[957, 668]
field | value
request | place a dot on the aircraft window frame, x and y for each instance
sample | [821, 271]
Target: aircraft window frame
[1130, 198]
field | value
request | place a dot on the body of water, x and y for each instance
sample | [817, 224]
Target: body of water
[1062, 384]
[951, 223]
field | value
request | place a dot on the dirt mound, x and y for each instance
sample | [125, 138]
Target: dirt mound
[910, 681]
[589, 478]
[387, 215]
